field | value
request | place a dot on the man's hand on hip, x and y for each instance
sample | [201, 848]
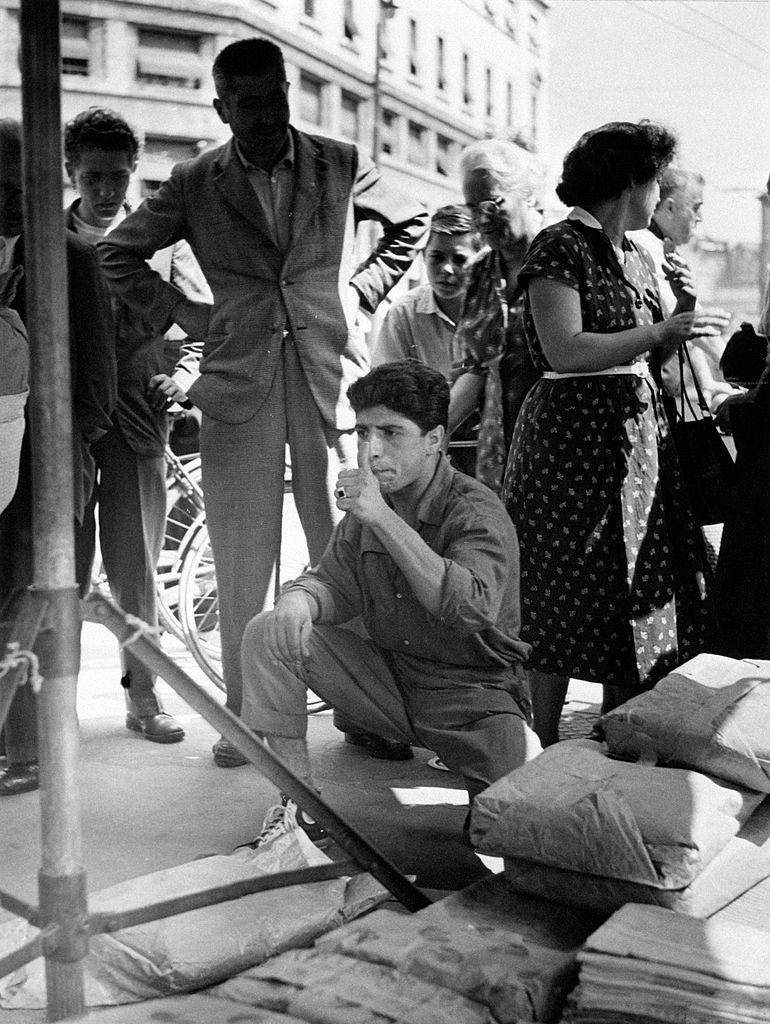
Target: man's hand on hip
[193, 318]
[358, 491]
[288, 628]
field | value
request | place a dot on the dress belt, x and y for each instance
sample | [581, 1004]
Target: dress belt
[638, 369]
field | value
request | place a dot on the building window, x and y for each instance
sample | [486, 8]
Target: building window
[169, 58]
[534, 33]
[310, 99]
[75, 46]
[417, 152]
[169, 149]
[349, 22]
[488, 103]
[467, 94]
[440, 65]
[309, 8]
[414, 53]
[509, 103]
[349, 122]
[446, 156]
[389, 138]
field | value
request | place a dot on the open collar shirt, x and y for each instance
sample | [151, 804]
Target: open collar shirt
[274, 190]
[477, 627]
[416, 328]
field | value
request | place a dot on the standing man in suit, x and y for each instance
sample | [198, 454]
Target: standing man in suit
[100, 152]
[93, 382]
[271, 218]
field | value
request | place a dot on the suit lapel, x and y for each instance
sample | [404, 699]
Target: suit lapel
[311, 176]
[235, 189]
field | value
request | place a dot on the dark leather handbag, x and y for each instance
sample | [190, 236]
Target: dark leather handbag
[706, 466]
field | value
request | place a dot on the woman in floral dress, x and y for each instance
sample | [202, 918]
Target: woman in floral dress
[612, 563]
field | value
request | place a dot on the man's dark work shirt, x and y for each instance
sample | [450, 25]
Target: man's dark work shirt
[477, 627]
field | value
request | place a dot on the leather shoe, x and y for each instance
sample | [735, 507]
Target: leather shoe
[379, 747]
[19, 778]
[226, 755]
[158, 727]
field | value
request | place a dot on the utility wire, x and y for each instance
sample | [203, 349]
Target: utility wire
[727, 28]
[645, 8]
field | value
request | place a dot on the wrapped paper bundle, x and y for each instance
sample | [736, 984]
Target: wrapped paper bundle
[650, 965]
[578, 827]
[711, 714]
[518, 980]
[326, 988]
[201, 947]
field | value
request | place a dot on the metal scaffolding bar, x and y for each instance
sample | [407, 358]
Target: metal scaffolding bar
[136, 635]
[62, 890]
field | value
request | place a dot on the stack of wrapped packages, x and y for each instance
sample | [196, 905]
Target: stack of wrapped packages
[659, 966]
[581, 826]
[587, 827]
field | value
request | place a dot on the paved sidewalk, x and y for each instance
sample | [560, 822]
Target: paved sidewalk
[147, 806]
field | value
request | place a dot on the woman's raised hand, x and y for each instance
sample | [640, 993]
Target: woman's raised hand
[695, 324]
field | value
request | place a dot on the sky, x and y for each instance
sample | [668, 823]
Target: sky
[701, 67]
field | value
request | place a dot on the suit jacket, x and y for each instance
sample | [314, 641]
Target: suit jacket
[92, 355]
[93, 383]
[141, 350]
[260, 292]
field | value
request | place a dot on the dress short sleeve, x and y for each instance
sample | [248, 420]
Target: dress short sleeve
[556, 254]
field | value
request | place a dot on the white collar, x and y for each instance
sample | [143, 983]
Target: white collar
[578, 213]
[426, 303]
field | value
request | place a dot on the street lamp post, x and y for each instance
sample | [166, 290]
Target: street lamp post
[387, 9]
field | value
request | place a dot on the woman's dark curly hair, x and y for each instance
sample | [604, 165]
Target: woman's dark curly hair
[606, 161]
[100, 128]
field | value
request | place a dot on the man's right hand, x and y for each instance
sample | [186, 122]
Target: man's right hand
[193, 318]
[288, 629]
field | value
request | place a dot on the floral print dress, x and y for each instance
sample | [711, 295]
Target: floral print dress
[609, 549]
[489, 334]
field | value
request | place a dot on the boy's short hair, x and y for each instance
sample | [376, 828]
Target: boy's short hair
[100, 128]
[407, 387]
[247, 57]
[454, 219]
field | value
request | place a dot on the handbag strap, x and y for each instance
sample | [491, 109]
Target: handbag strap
[683, 353]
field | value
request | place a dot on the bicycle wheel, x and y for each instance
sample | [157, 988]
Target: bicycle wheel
[184, 513]
[199, 612]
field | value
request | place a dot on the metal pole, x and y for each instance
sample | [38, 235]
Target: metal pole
[385, 11]
[62, 892]
[377, 130]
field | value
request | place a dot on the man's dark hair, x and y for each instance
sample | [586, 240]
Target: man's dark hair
[606, 161]
[409, 388]
[99, 128]
[454, 219]
[247, 57]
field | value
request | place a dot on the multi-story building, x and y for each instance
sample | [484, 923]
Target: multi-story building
[449, 71]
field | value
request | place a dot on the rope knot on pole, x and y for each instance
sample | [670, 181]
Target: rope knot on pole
[15, 657]
[139, 628]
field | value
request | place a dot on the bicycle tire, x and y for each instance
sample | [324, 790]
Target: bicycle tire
[184, 513]
[199, 612]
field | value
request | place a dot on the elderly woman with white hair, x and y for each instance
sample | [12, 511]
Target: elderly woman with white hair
[500, 190]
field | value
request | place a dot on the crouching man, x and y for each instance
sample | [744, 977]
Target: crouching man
[429, 559]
